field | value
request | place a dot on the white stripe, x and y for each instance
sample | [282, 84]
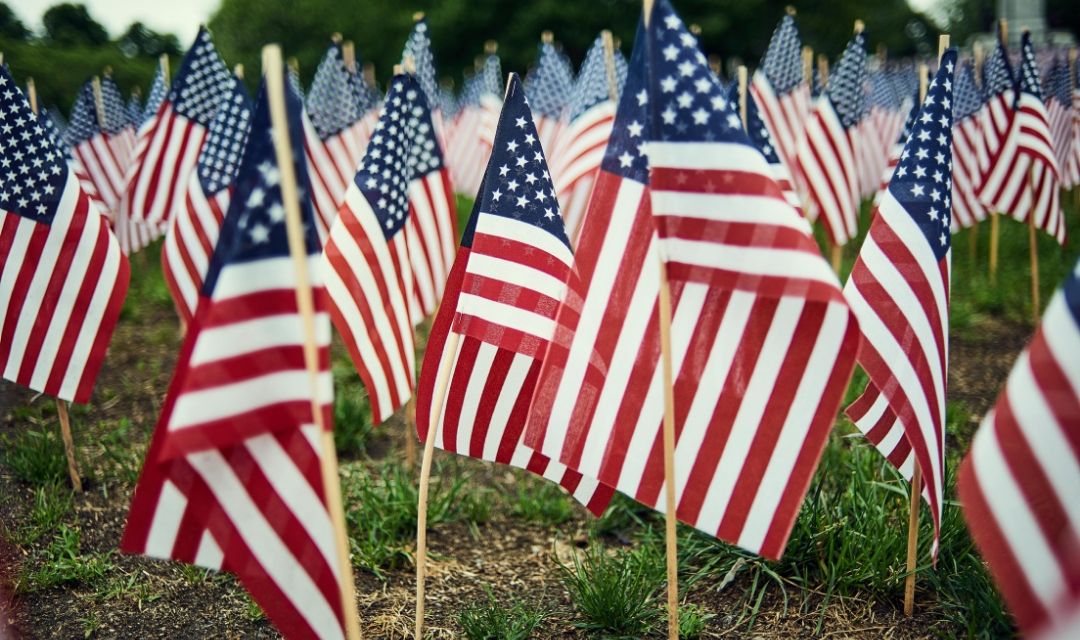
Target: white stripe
[508, 315]
[513, 381]
[515, 273]
[734, 208]
[165, 524]
[470, 403]
[194, 408]
[218, 343]
[756, 261]
[719, 156]
[209, 553]
[525, 233]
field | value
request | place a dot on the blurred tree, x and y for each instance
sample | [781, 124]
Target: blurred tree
[71, 24]
[10, 25]
[140, 40]
[730, 28]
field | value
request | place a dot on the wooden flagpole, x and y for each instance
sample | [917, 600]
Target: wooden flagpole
[441, 383]
[1033, 249]
[238, 71]
[670, 499]
[163, 62]
[741, 74]
[99, 104]
[609, 65]
[973, 232]
[916, 475]
[272, 67]
[995, 222]
[61, 406]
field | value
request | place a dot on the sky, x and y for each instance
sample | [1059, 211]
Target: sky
[179, 17]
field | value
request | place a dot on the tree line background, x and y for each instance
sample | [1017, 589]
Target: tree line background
[72, 46]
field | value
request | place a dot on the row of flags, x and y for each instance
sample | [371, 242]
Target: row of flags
[545, 347]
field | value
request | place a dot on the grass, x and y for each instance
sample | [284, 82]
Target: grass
[616, 593]
[61, 562]
[34, 456]
[492, 619]
[541, 502]
[352, 420]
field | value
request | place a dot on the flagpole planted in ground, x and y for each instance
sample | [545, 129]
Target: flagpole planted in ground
[272, 68]
[973, 232]
[1033, 249]
[995, 217]
[61, 406]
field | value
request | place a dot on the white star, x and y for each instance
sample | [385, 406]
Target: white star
[512, 185]
[625, 160]
[671, 52]
[668, 115]
[672, 21]
[520, 122]
[933, 213]
[530, 178]
[495, 195]
[634, 128]
[256, 198]
[920, 172]
[259, 234]
[549, 213]
[667, 85]
[276, 212]
[701, 116]
[685, 100]
[916, 189]
[642, 97]
[503, 170]
[530, 139]
[522, 201]
[702, 85]
[511, 146]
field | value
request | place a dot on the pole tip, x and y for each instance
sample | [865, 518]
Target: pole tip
[790, 10]
[335, 37]
[695, 29]
[860, 26]
[491, 47]
[107, 71]
[547, 37]
[418, 16]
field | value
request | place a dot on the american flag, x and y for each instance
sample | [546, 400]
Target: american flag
[432, 230]
[879, 130]
[782, 93]
[499, 311]
[475, 128]
[828, 152]
[1022, 178]
[896, 150]
[1019, 482]
[332, 145]
[548, 86]
[1059, 113]
[134, 110]
[368, 273]
[763, 343]
[159, 87]
[63, 277]
[899, 290]
[1074, 160]
[92, 143]
[232, 480]
[581, 146]
[169, 144]
[969, 149]
[194, 228]
[418, 47]
[759, 135]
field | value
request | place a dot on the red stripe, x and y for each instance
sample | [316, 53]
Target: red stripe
[494, 385]
[27, 269]
[519, 253]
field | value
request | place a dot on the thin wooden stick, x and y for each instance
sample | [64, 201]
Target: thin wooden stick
[741, 74]
[1033, 250]
[69, 445]
[99, 103]
[670, 504]
[305, 302]
[441, 383]
[163, 62]
[31, 94]
[995, 218]
[609, 65]
[808, 65]
[238, 71]
[410, 433]
[912, 540]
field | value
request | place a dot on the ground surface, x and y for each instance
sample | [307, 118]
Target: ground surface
[496, 530]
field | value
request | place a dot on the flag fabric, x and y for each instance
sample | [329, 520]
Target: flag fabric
[1022, 178]
[90, 137]
[879, 130]
[475, 127]
[63, 277]
[763, 141]
[1073, 168]
[169, 144]
[999, 85]
[1019, 482]
[580, 148]
[134, 110]
[194, 228]
[505, 287]
[368, 271]
[418, 47]
[763, 343]
[432, 227]
[969, 150]
[548, 86]
[899, 290]
[896, 150]
[828, 153]
[232, 480]
[782, 93]
[159, 87]
[1060, 120]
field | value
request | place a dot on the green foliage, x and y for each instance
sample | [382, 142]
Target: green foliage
[68, 24]
[60, 563]
[616, 593]
[541, 502]
[33, 456]
[381, 513]
[10, 26]
[491, 619]
[693, 619]
[140, 40]
[51, 504]
[352, 420]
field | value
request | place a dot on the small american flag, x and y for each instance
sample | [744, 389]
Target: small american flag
[418, 47]
[758, 133]
[194, 228]
[899, 290]
[782, 93]
[92, 143]
[368, 272]
[896, 149]
[432, 231]
[828, 152]
[548, 86]
[134, 110]
[62, 275]
[969, 149]
[1059, 111]
[1020, 480]
[581, 146]
[504, 291]
[232, 480]
[763, 343]
[475, 130]
[158, 89]
[169, 144]
[1022, 178]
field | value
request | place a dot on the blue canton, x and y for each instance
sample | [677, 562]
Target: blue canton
[112, 102]
[201, 81]
[621, 70]
[1060, 86]
[591, 87]
[757, 131]
[419, 47]
[134, 111]
[492, 76]
[922, 182]
[782, 62]
[968, 99]
[53, 132]
[846, 91]
[425, 156]
[330, 102]
[254, 227]
[382, 175]
[689, 102]
[625, 154]
[517, 184]
[84, 120]
[882, 92]
[1029, 70]
[997, 72]
[32, 169]
[219, 159]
